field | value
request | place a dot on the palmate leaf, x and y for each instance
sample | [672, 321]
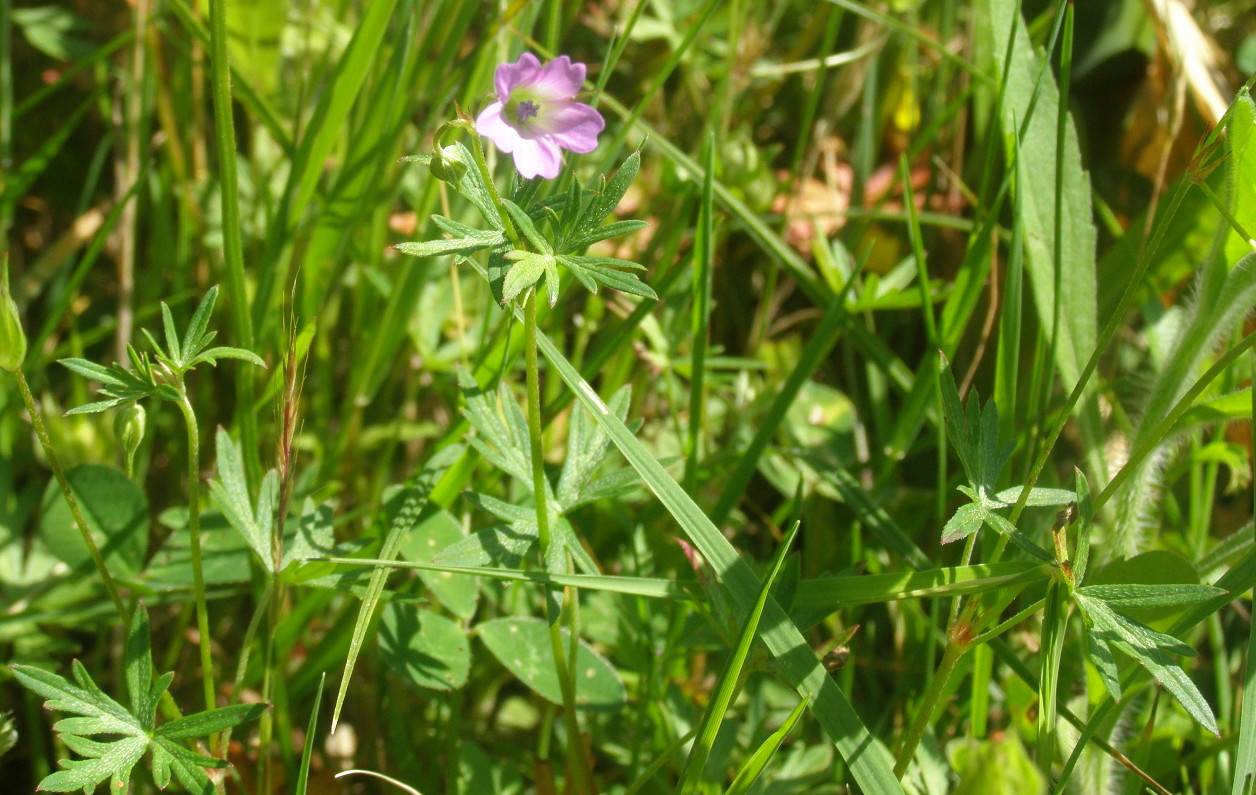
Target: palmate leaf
[592, 271]
[230, 492]
[603, 203]
[587, 446]
[131, 732]
[577, 219]
[502, 430]
[527, 270]
[119, 385]
[1150, 648]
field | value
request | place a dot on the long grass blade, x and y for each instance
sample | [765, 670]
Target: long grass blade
[713, 717]
[869, 760]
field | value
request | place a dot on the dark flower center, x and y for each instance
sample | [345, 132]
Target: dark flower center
[527, 110]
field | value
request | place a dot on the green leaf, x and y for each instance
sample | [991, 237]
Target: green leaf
[524, 223]
[118, 382]
[956, 420]
[615, 229]
[468, 244]
[1004, 527]
[313, 536]
[1150, 649]
[1241, 171]
[303, 777]
[594, 269]
[211, 722]
[493, 416]
[131, 732]
[172, 336]
[966, 521]
[438, 532]
[1047, 148]
[116, 512]
[195, 337]
[832, 593]
[587, 445]
[427, 649]
[1085, 524]
[1101, 655]
[1038, 497]
[605, 202]
[96, 408]
[502, 545]
[413, 502]
[755, 765]
[1136, 595]
[212, 356]
[526, 271]
[523, 646]
[56, 31]
[230, 492]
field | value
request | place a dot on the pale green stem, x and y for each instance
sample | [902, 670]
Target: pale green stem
[70, 500]
[924, 715]
[194, 536]
[534, 427]
[478, 152]
[575, 752]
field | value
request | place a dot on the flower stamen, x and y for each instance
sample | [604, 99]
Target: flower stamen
[527, 110]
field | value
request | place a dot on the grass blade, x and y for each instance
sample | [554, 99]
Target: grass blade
[718, 706]
[764, 753]
[408, 515]
[1245, 756]
[869, 760]
[303, 775]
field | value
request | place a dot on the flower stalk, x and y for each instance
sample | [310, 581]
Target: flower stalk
[194, 538]
[574, 746]
[42, 433]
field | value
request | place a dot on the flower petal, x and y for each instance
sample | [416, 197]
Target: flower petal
[538, 157]
[560, 78]
[522, 72]
[493, 126]
[574, 126]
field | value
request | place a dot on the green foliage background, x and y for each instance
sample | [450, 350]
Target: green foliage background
[833, 193]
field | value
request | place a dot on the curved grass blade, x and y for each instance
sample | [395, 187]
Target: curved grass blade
[869, 760]
[303, 775]
[759, 760]
[718, 706]
[412, 507]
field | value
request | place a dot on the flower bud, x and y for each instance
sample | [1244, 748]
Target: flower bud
[128, 426]
[447, 165]
[12, 338]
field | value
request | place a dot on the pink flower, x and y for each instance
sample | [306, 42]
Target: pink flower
[536, 115]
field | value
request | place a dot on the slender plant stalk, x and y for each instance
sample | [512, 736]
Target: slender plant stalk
[42, 432]
[194, 534]
[232, 240]
[924, 714]
[574, 747]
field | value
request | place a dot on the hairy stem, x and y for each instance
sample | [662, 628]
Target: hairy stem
[70, 500]
[575, 752]
[928, 706]
[194, 535]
